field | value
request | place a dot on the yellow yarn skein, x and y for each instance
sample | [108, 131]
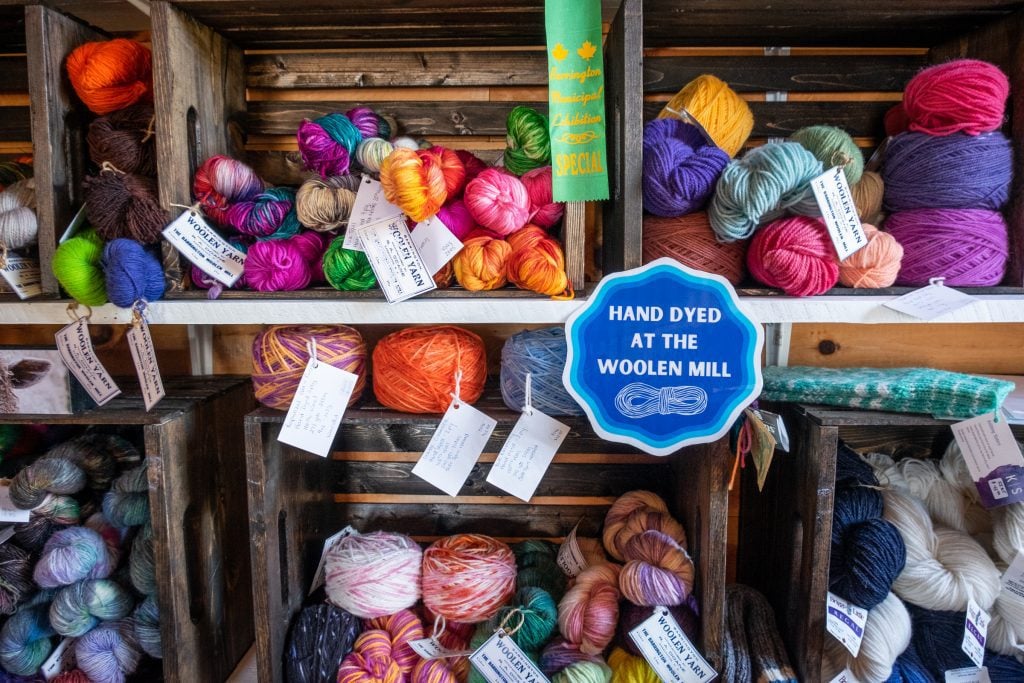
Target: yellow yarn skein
[725, 115]
[629, 669]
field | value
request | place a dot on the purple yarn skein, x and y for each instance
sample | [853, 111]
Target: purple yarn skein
[71, 555]
[680, 168]
[967, 247]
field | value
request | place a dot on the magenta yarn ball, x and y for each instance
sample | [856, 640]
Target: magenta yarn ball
[282, 265]
[967, 247]
[544, 211]
[498, 201]
[457, 219]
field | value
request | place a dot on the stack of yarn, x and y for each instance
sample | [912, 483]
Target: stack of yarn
[19, 228]
[116, 257]
[82, 567]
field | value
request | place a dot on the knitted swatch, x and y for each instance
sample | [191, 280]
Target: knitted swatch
[904, 390]
[753, 650]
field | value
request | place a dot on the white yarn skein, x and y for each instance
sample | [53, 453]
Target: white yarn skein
[886, 636]
[946, 501]
[886, 471]
[374, 575]
[1006, 629]
[18, 225]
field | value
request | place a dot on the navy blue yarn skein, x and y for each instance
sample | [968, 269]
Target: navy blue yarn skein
[937, 636]
[320, 637]
[910, 669]
[132, 273]
[851, 469]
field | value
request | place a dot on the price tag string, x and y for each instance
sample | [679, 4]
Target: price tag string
[311, 349]
[72, 312]
[522, 620]
[528, 399]
[139, 312]
[456, 396]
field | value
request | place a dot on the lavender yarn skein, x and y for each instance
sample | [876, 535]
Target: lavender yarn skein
[108, 653]
[951, 172]
[680, 168]
[71, 555]
[967, 247]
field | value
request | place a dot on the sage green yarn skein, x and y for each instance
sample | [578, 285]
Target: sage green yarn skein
[833, 147]
[76, 265]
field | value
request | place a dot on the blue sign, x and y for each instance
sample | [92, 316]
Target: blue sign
[662, 357]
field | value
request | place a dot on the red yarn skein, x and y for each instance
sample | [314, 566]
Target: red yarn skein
[964, 95]
[796, 255]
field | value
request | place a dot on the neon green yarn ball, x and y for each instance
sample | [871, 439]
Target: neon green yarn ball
[76, 265]
[527, 140]
[346, 269]
[832, 147]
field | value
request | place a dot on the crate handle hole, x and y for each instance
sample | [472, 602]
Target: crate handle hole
[192, 524]
[282, 553]
[195, 139]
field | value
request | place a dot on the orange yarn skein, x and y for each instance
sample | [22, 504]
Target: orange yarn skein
[419, 181]
[111, 75]
[537, 263]
[482, 264]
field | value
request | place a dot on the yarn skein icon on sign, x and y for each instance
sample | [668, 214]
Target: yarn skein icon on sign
[637, 399]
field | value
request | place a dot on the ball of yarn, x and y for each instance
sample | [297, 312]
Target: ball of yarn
[875, 265]
[280, 355]
[765, 182]
[347, 269]
[867, 196]
[382, 653]
[590, 609]
[723, 114]
[481, 263]
[125, 139]
[967, 247]
[796, 255]
[541, 354]
[34, 482]
[71, 555]
[122, 204]
[633, 513]
[55, 512]
[111, 75]
[467, 577]
[73, 676]
[132, 272]
[146, 624]
[627, 668]
[886, 635]
[559, 654]
[691, 241]
[15, 577]
[280, 265]
[833, 147]
[420, 181]
[957, 171]
[530, 619]
[76, 265]
[371, 153]
[415, 368]
[222, 181]
[369, 123]
[265, 215]
[108, 653]
[964, 95]
[320, 638]
[632, 615]
[375, 574]
[537, 263]
[25, 640]
[127, 502]
[324, 204]
[19, 227]
[78, 608]
[658, 570]
[584, 672]
[868, 558]
[457, 218]
[142, 562]
[680, 168]
[498, 201]
[328, 143]
[544, 210]
[527, 140]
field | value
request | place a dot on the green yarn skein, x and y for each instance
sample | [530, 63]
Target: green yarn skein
[346, 269]
[833, 147]
[537, 563]
[76, 265]
[527, 139]
[584, 672]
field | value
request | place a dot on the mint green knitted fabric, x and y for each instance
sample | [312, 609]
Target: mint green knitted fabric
[903, 390]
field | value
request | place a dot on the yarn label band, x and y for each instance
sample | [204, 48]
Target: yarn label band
[527, 453]
[993, 459]
[369, 207]
[571, 559]
[971, 674]
[399, 268]
[319, 577]
[839, 212]
[435, 244]
[576, 100]
[928, 303]
[199, 243]
[1013, 577]
[845, 676]
[23, 276]
[316, 411]
[975, 632]
[455, 447]
[500, 660]
[60, 660]
[845, 622]
[662, 357]
[75, 348]
[8, 511]
[140, 344]
[670, 653]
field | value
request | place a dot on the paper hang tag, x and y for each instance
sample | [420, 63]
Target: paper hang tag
[845, 622]
[570, 558]
[975, 632]
[400, 271]
[775, 424]
[319, 577]
[846, 676]
[670, 653]
[369, 207]
[1013, 577]
[6, 532]
[76, 224]
[762, 449]
[527, 453]
[23, 276]
[839, 212]
[75, 348]
[928, 303]
[993, 458]
[60, 660]
[193, 237]
[455, 447]
[971, 674]
[500, 660]
[8, 511]
[435, 244]
[140, 343]
[318, 406]
[429, 648]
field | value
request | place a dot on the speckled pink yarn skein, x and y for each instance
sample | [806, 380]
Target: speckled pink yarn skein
[375, 574]
[498, 201]
[589, 611]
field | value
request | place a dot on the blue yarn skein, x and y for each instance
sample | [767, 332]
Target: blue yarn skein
[542, 354]
[132, 273]
[760, 186]
[25, 640]
[680, 168]
[937, 636]
[909, 668]
[851, 469]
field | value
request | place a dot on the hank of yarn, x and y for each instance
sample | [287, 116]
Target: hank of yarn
[559, 654]
[584, 672]
[544, 210]
[627, 668]
[328, 143]
[146, 624]
[15, 577]
[222, 181]
[875, 265]
[473, 164]
[71, 555]
[658, 570]
[723, 114]
[78, 608]
[371, 153]
[25, 639]
[375, 574]
[498, 201]
[369, 123]
[529, 620]
[415, 368]
[691, 241]
[457, 218]
[867, 196]
[401, 627]
[420, 181]
[76, 265]
[265, 215]
[142, 562]
[111, 75]
[967, 247]
[324, 204]
[632, 513]
[55, 512]
[753, 647]
[124, 205]
[280, 265]
[19, 227]
[680, 168]
[537, 263]
[31, 485]
[886, 635]
[833, 147]
[280, 355]
[132, 273]
[127, 502]
[347, 269]
[964, 95]
[125, 139]
[588, 613]
[318, 641]
[796, 255]
[481, 264]
[528, 145]
[867, 551]
[541, 354]
[109, 653]
[468, 577]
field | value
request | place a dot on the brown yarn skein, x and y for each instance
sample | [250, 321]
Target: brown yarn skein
[690, 240]
[867, 197]
[324, 204]
[124, 205]
[125, 139]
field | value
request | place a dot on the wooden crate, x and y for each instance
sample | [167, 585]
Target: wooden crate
[296, 500]
[238, 78]
[193, 443]
[785, 531]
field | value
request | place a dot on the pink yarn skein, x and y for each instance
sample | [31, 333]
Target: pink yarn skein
[796, 255]
[964, 95]
[498, 201]
[284, 265]
[544, 211]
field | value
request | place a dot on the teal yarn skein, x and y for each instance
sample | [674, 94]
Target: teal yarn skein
[759, 187]
[127, 502]
[25, 639]
[531, 620]
[78, 608]
[537, 564]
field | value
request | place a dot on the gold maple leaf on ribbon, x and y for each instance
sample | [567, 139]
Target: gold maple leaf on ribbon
[587, 50]
[559, 52]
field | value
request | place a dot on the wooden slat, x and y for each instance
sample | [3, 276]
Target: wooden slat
[794, 51]
[489, 457]
[860, 119]
[15, 122]
[13, 72]
[397, 499]
[405, 94]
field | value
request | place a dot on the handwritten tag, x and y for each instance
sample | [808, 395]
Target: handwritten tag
[993, 458]
[60, 660]
[369, 207]
[191, 235]
[429, 648]
[319, 404]
[845, 622]
[75, 349]
[975, 631]
[8, 511]
[454, 448]
[669, 652]
[400, 271]
[845, 676]
[570, 558]
[22, 274]
[500, 660]
[319, 577]
[928, 303]
[839, 212]
[140, 343]
[527, 453]
[435, 244]
[971, 674]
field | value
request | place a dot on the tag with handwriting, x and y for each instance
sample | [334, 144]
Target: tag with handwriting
[527, 453]
[993, 458]
[140, 343]
[317, 409]
[22, 274]
[75, 348]
[400, 271]
[570, 558]
[369, 207]
[500, 660]
[429, 648]
[455, 447]
[191, 235]
[845, 622]
[930, 302]
[318, 577]
[435, 244]
[670, 653]
[975, 632]
[60, 660]
[839, 212]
